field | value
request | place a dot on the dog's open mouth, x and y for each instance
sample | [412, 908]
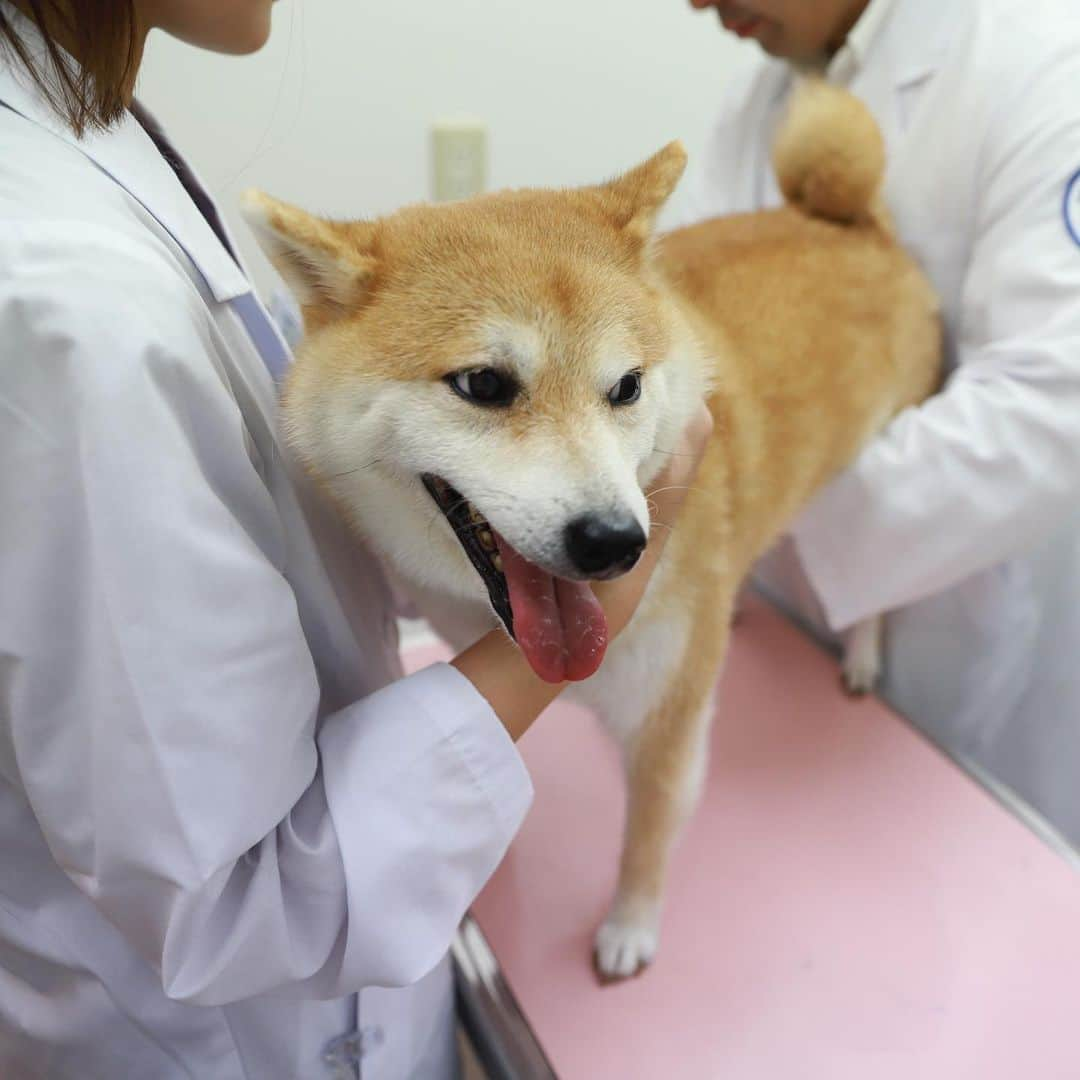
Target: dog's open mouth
[558, 624]
[477, 538]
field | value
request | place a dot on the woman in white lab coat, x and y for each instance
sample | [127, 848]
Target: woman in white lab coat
[222, 811]
[963, 519]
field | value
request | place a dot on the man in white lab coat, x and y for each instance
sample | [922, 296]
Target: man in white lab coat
[963, 519]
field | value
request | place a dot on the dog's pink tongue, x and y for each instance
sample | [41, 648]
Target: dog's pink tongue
[559, 625]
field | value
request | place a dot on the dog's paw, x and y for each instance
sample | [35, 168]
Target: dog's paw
[861, 665]
[623, 949]
[860, 677]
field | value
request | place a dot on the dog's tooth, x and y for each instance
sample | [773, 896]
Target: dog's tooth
[496, 561]
[487, 541]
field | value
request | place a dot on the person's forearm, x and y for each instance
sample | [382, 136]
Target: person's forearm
[977, 474]
[503, 677]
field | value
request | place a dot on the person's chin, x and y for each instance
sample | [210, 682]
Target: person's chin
[773, 44]
[254, 32]
[260, 33]
[235, 41]
[781, 48]
[250, 41]
[763, 34]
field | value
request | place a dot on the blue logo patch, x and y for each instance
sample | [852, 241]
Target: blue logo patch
[1071, 206]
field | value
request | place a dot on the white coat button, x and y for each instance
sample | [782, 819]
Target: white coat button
[343, 1052]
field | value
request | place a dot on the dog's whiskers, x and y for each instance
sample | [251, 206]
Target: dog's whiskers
[358, 468]
[672, 487]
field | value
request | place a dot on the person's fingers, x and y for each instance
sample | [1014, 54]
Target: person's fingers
[667, 492]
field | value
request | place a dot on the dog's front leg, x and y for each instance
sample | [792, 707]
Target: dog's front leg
[666, 758]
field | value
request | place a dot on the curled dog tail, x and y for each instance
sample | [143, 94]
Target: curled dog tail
[829, 156]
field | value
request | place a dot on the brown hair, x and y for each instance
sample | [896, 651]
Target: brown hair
[93, 92]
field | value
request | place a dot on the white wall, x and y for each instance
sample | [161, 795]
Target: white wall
[334, 113]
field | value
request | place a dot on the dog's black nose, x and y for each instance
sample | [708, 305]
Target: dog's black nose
[603, 546]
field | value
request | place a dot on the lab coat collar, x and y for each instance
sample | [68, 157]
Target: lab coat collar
[907, 37]
[868, 29]
[128, 155]
[910, 37]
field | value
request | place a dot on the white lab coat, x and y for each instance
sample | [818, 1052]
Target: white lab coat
[963, 518]
[220, 815]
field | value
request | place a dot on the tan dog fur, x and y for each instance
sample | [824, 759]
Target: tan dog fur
[807, 327]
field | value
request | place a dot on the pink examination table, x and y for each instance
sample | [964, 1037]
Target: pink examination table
[847, 904]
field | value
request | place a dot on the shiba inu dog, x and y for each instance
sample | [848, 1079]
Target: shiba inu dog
[489, 388]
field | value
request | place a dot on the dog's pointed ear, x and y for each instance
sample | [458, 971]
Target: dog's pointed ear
[328, 265]
[637, 196]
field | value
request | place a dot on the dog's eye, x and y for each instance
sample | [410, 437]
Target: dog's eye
[627, 390]
[484, 386]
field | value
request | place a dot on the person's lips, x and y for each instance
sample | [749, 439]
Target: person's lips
[741, 25]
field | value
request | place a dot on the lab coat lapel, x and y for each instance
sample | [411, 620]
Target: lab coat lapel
[912, 88]
[128, 155]
[902, 60]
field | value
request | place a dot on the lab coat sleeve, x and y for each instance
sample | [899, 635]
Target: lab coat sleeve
[158, 700]
[992, 463]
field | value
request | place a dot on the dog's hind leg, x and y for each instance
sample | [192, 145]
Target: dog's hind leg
[863, 655]
[666, 759]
